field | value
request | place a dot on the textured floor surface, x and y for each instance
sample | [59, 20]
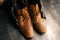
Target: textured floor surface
[52, 10]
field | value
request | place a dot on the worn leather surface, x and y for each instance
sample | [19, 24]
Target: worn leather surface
[9, 31]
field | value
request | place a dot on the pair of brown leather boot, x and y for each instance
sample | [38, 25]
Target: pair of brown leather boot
[29, 16]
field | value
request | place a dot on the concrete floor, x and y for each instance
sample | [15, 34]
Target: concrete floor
[52, 10]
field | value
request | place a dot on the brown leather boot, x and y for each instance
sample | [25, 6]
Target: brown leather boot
[37, 20]
[25, 22]
[1, 2]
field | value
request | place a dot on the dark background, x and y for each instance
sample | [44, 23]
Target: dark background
[51, 8]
